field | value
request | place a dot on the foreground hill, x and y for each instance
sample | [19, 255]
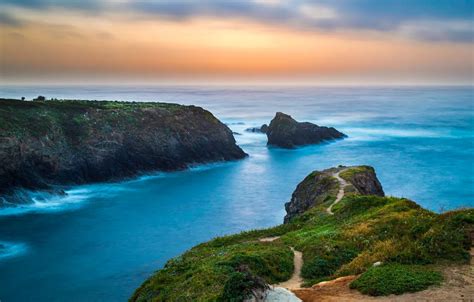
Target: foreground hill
[386, 245]
[71, 142]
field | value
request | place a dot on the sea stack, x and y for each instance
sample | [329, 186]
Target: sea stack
[286, 132]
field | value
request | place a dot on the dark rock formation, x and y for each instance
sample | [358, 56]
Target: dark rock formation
[320, 186]
[285, 132]
[45, 143]
[261, 129]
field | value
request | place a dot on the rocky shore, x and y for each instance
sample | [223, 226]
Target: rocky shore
[60, 142]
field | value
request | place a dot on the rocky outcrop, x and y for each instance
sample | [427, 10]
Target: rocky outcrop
[261, 129]
[44, 143]
[285, 132]
[364, 179]
[320, 186]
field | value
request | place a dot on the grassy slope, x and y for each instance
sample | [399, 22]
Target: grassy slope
[19, 118]
[364, 230]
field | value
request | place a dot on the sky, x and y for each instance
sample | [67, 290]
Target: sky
[300, 41]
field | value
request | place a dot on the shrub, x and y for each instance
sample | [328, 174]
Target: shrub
[326, 265]
[395, 279]
[241, 285]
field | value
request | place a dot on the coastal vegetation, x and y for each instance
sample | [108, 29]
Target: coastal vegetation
[405, 241]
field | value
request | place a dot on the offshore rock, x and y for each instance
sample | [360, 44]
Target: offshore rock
[286, 132]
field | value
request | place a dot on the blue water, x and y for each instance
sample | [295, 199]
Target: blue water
[103, 240]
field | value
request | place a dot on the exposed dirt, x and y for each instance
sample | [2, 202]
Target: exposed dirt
[458, 286]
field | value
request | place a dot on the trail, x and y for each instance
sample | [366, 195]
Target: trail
[295, 281]
[340, 194]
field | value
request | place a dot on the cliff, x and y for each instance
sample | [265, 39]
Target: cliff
[45, 143]
[319, 186]
[285, 132]
[380, 245]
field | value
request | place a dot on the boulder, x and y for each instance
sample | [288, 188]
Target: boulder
[261, 129]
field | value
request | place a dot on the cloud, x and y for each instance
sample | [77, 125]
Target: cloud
[400, 16]
[9, 20]
[44, 4]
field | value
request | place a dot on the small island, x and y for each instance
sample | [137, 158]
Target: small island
[61, 142]
[340, 233]
[286, 132]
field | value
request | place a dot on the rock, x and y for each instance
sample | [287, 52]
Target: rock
[280, 294]
[261, 129]
[285, 132]
[364, 179]
[319, 185]
[74, 142]
[313, 190]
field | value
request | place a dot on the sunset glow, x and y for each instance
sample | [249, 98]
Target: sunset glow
[107, 41]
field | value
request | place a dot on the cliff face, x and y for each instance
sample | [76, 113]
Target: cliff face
[313, 190]
[71, 142]
[319, 186]
[285, 132]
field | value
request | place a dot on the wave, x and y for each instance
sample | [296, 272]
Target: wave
[35, 202]
[10, 249]
[359, 133]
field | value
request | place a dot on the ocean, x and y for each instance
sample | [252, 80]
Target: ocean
[103, 240]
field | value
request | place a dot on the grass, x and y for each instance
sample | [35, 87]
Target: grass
[73, 117]
[349, 173]
[395, 279]
[362, 231]
[212, 271]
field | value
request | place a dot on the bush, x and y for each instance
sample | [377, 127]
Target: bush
[395, 279]
[326, 265]
[241, 285]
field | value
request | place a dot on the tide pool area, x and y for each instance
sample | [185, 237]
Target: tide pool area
[101, 241]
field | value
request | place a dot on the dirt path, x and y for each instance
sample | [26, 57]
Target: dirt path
[340, 194]
[295, 281]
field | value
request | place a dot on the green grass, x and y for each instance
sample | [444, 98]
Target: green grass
[395, 279]
[349, 173]
[210, 271]
[74, 117]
